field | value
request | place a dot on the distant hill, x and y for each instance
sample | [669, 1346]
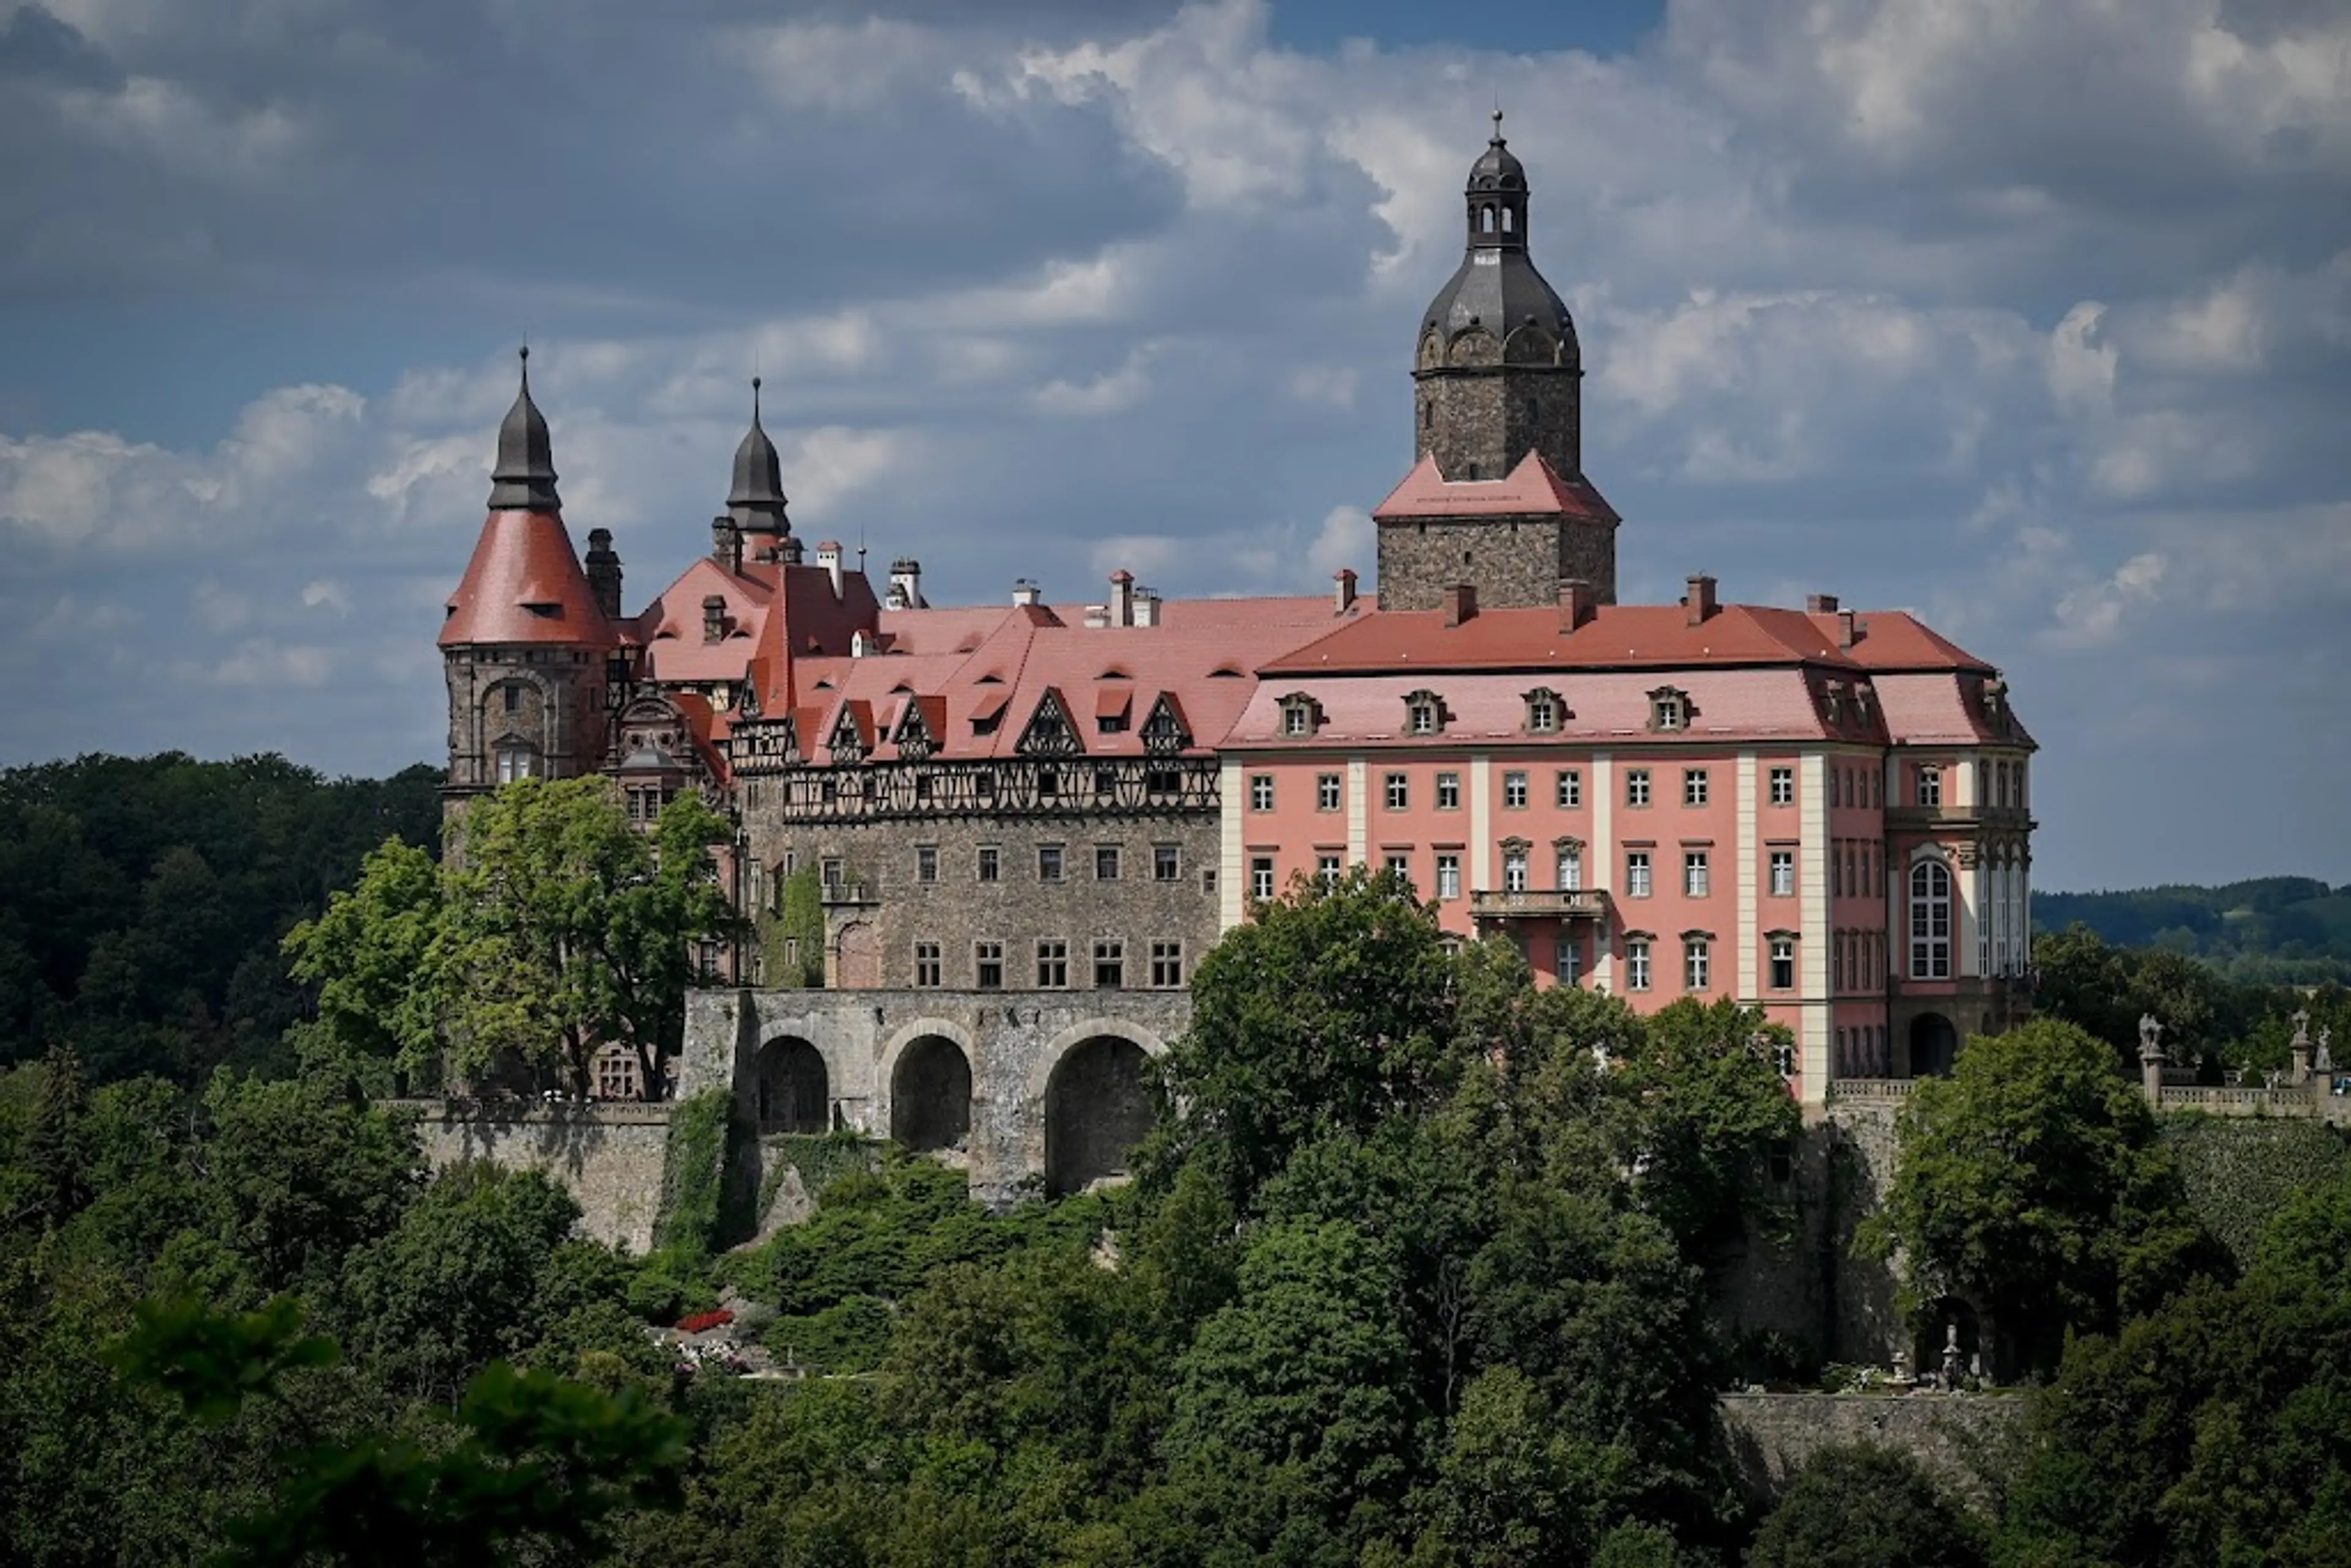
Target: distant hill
[2270, 928]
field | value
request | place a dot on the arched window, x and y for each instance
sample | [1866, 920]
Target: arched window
[1486, 220]
[1930, 921]
[1506, 220]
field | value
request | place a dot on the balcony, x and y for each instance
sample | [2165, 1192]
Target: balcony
[1539, 904]
[847, 895]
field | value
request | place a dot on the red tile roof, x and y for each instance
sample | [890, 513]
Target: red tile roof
[524, 585]
[1533, 488]
[1620, 636]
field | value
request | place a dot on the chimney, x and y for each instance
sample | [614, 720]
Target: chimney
[1147, 607]
[788, 549]
[1577, 602]
[1821, 604]
[1343, 595]
[1460, 603]
[726, 545]
[604, 572]
[1848, 629]
[907, 582]
[1700, 600]
[714, 617]
[1024, 593]
[828, 555]
[1122, 597]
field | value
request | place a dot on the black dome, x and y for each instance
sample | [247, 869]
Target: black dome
[524, 480]
[756, 496]
[1498, 287]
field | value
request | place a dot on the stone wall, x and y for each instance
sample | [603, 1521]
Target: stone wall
[1020, 909]
[608, 1156]
[1954, 1436]
[1510, 561]
[895, 1060]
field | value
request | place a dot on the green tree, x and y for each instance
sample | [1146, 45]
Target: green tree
[1331, 1009]
[566, 927]
[303, 1173]
[1863, 1506]
[373, 956]
[2031, 1185]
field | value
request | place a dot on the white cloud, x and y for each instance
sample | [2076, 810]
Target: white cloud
[2092, 614]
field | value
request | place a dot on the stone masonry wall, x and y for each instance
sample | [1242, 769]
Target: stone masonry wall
[1510, 560]
[1020, 909]
[608, 1156]
[1953, 1436]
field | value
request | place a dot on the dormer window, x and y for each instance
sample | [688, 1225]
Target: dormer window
[1423, 714]
[1544, 711]
[1301, 716]
[1669, 710]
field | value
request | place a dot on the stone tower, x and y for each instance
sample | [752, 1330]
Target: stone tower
[1498, 384]
[526, 637]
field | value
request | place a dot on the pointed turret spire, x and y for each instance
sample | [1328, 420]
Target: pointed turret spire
[524, 480]
[756, 499]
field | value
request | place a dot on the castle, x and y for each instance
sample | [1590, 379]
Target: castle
[1027, 821]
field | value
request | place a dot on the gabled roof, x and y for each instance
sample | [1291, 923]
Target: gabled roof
[1534, 488]
[524, 584]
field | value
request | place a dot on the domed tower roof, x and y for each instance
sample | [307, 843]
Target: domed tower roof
[756, 499]
[524, 478]
[1496, 287]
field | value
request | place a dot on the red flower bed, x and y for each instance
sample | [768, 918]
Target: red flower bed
[700, 1322]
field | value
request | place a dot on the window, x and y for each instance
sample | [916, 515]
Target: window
[1261, 791]
[1668, 710]
[1398, 792]
[987, 962]
[1568, 788]
[1543, 713]
[1168, 965]
[1448, 791]
[1297, 717]
[828, 870]
[1421, 715]
[927, 862]
[990, 863]
[1514, 871]
[1697, 963]
[1783, 786]
[1637, 963]
[1783, 963]
[1784, 874]
[1930, 785]
[1326, 791]
[1567, 959]
[1449, 876]
[1401, 864]
[1636, 873]
[1105, 863]
[1571, 868]
[1052, 965]
[1783, 1060]
[1326, 868]
[1048, 863]
[1930, 921]
[1637, 786]
[926, 964]
[1696, 876]
[1110, 966]
[1166, 865]
[1261, 878]
[1842, 945]
[1514, 791]
[515, 762]
[1694, 787]
[514, 699]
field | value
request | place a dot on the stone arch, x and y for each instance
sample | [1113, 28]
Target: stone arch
[1529, 346]
[1432, 350]
[930, 1092]
[1934, 1046]
[1089, 1100]
[1474, 346]
[792, 1092]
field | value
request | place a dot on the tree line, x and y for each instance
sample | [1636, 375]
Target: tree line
[1417, 1270]
[2266, 930]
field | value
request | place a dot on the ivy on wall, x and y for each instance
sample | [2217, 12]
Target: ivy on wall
[2240, 1171]
[693, 1212]
[792, 938]
[820, 1158]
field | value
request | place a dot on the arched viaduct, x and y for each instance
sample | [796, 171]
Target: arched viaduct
[1026, 1086]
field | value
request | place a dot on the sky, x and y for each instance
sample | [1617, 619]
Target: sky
[2030, 316]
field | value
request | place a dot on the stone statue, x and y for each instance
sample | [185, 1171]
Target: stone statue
[2325, 1060]
[2300, 1018]
[2150, 1036]
[1951, 1354]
